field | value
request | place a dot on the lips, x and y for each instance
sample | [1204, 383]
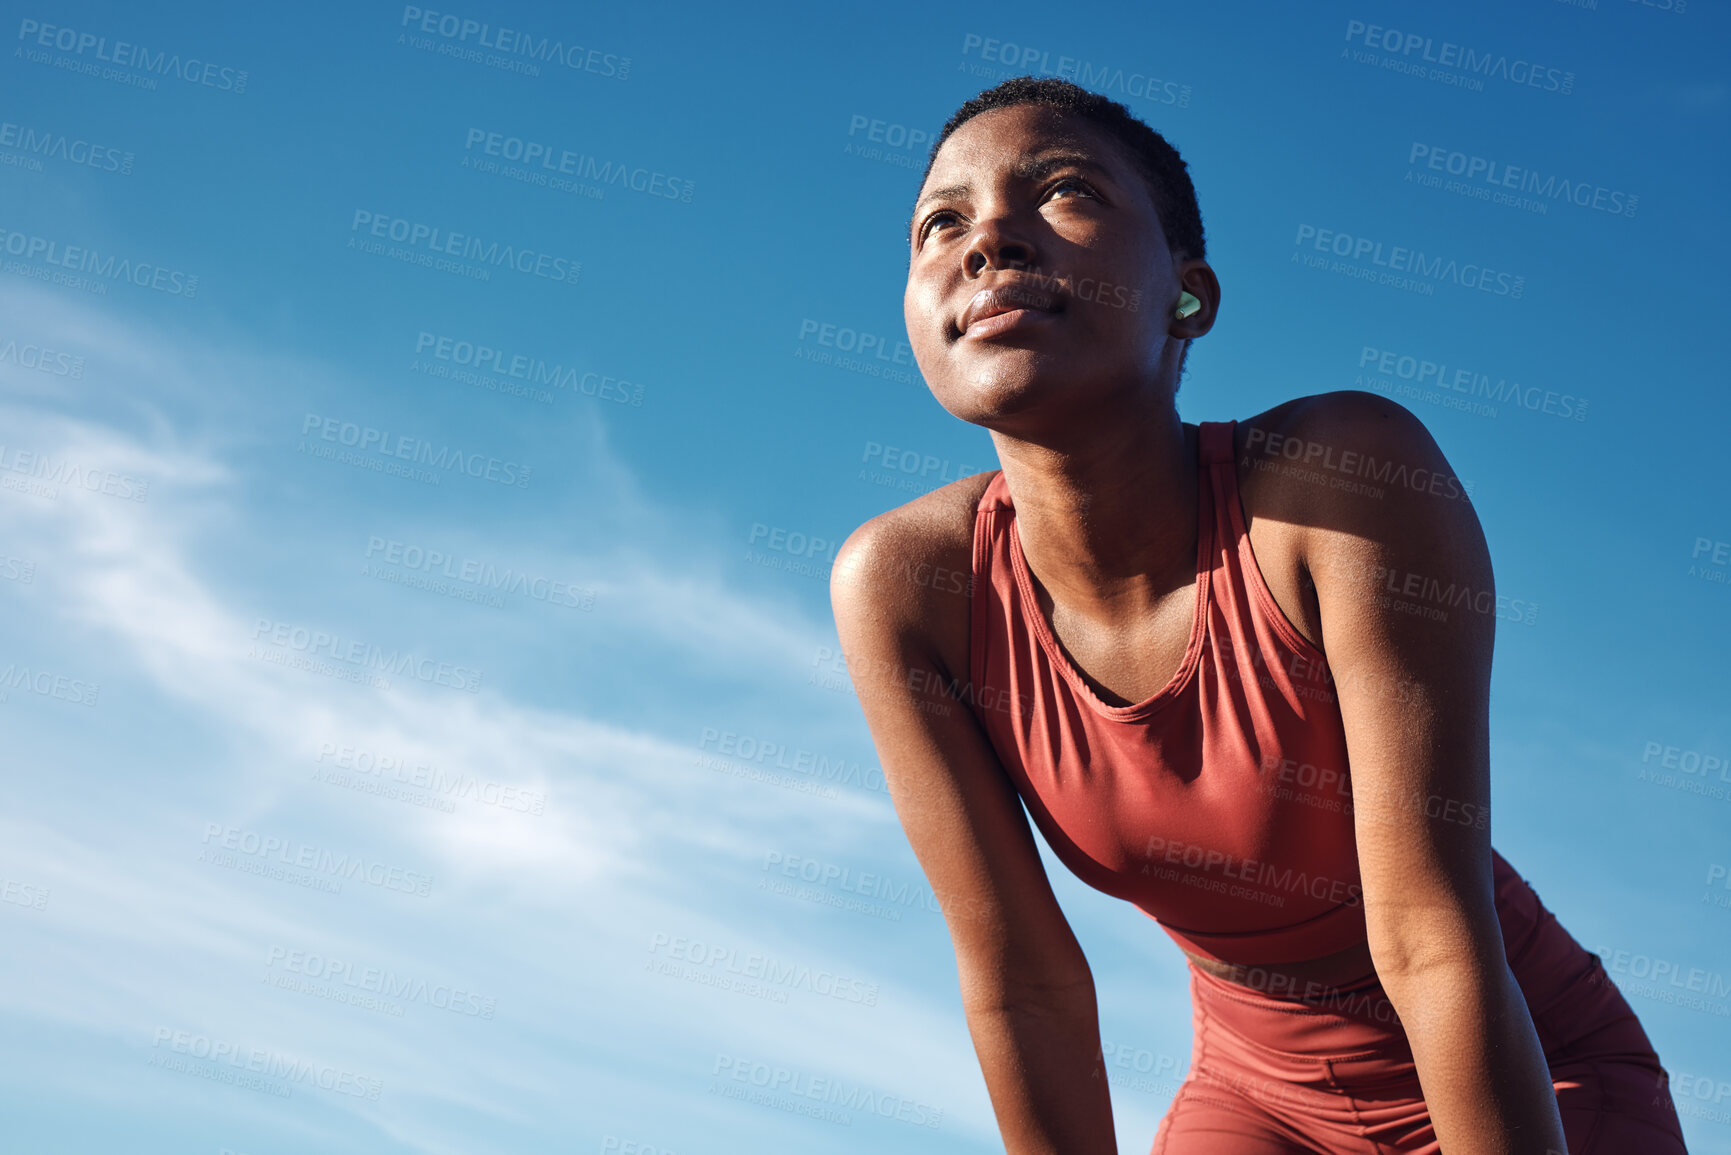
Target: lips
[1007, 298]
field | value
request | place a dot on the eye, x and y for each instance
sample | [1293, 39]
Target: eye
[1071, 182]
[940, 215]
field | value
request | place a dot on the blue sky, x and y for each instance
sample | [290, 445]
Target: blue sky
[531, 660]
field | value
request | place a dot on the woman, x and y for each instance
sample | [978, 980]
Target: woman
[1238, 673]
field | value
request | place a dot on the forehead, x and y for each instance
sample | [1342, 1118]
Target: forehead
[999, 139]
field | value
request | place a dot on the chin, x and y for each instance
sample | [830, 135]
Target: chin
[997, 388]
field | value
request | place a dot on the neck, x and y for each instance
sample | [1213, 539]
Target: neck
[1106, 510]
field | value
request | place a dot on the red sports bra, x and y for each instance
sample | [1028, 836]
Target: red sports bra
[1221, 806]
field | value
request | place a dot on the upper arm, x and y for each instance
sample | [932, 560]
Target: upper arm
[957, 805]
[1404, 590]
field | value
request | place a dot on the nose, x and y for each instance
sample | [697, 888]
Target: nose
[993, 246]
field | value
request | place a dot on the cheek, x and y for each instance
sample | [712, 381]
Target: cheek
[921, 310]
[925, 312]
[1119, 296]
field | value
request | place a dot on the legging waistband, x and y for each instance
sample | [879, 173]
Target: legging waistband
[1577, 1012]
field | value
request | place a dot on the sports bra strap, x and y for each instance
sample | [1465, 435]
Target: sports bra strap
[1216, 441]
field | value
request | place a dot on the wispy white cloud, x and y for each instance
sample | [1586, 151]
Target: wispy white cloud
[548, 907]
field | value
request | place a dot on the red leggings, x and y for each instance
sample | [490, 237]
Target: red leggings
[1279, 1076]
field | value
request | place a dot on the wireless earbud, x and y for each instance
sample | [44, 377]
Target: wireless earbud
[1187, 305]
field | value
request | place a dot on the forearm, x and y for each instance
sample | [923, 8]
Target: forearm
[1479, 1060]
[1041, 1063]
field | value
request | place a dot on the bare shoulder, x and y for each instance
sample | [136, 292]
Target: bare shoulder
[1315, 459]
[1343, 420]
[909, 569]
[1321, 476]
[900, 590]
[1355, 417]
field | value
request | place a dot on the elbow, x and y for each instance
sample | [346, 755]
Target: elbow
[1051, 994]
[1451, 957]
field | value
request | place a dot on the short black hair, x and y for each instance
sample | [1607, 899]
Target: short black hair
[1167, 175]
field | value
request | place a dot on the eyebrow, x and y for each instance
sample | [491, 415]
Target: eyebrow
[954, 190]
[1038, 167]
[1045, 163]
